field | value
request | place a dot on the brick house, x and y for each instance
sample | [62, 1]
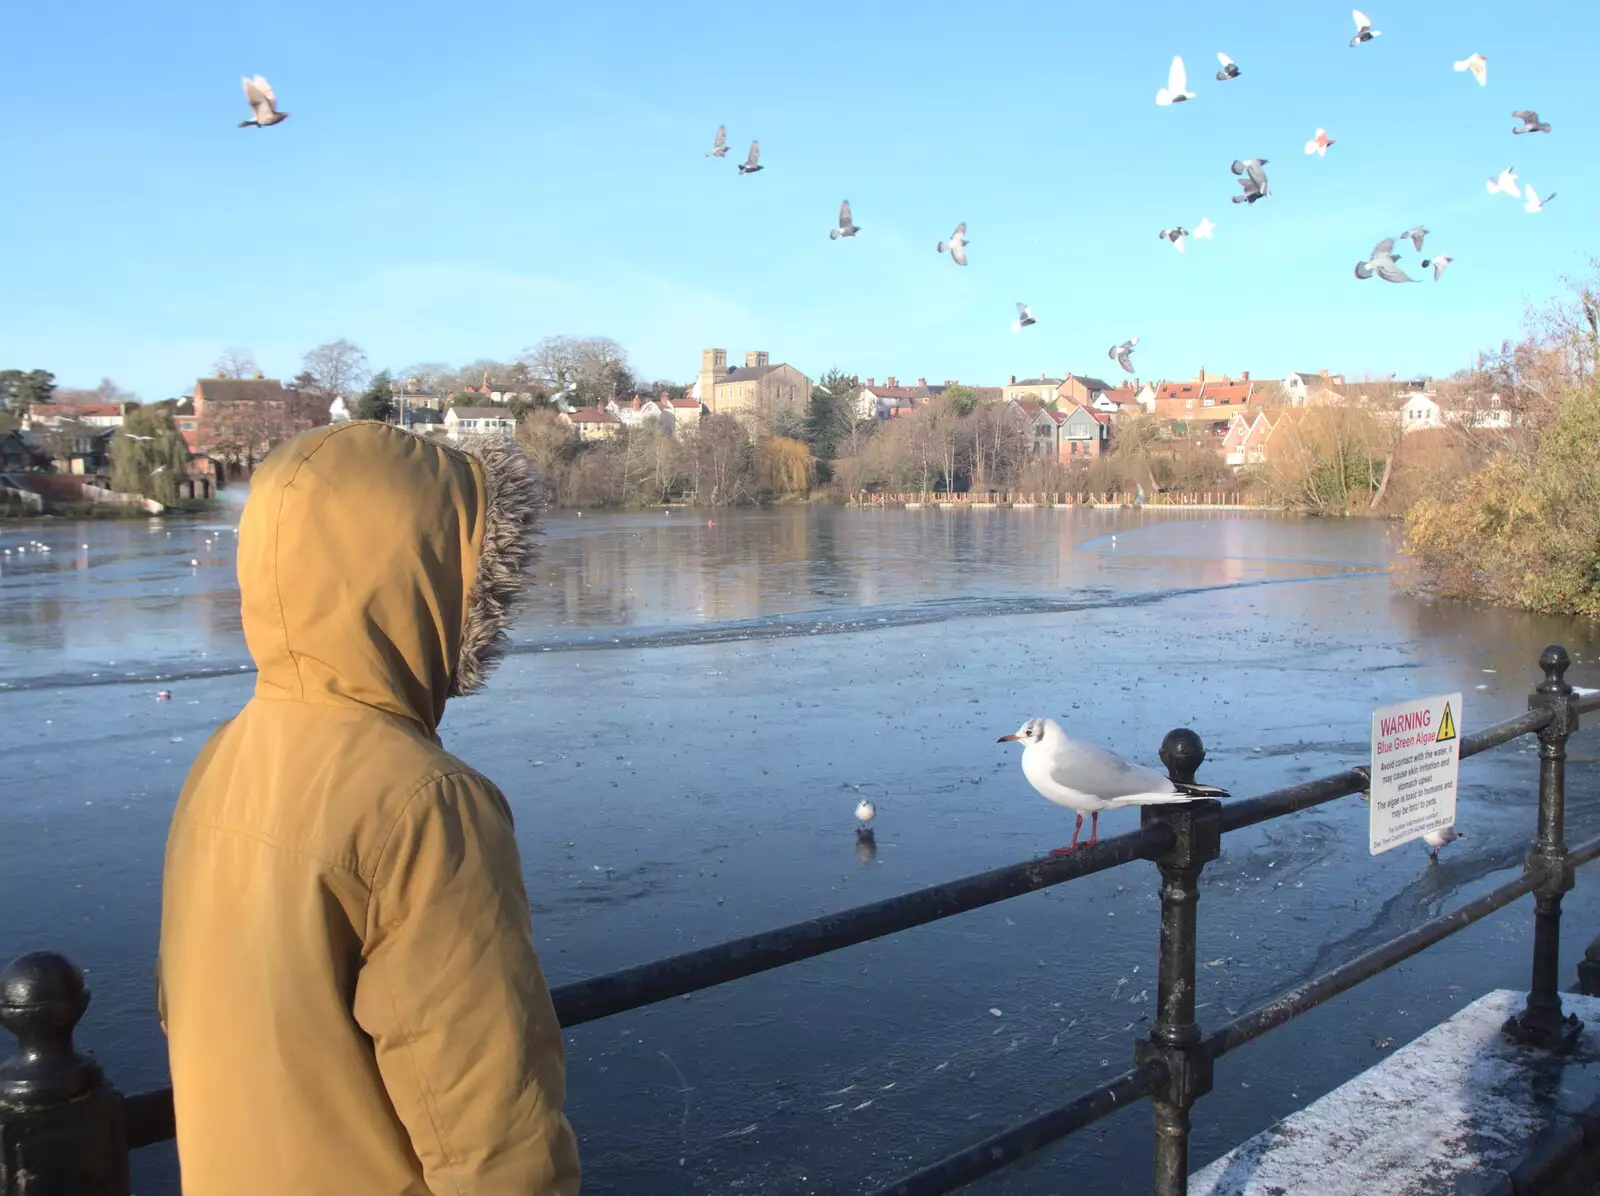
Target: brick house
[592, 423]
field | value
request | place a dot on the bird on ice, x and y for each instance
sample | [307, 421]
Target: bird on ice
[1203, 230]
[846, 228]
[1253, 180]
[1382, 262]
[1432, 840]
[163, 695]
[719, 148]
[1530, 122]
[865, 811]
[1176, 91]
[1089, 779]
[1319, 144]
[1120, 353]
[1438, 264]
[263, 104]
[1416, 234]
[957, 244]
[1230, 69]
[1478, 65]
[1364, 30]
[1535, 204]
[1505, 184]
[1175, 235]
[1024, 318]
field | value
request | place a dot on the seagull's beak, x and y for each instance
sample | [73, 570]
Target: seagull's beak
[1006, 739]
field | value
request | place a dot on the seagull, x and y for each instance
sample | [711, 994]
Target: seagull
[1177, 82]
[1119, 353]
[1364, 30]
[865, 811]
[1175, 235]
[1254, 180]
[1530, 122]
[957, 244]
[1319, 144]
[131, 436]
[1478, 65]
[163, 695]
[719, 148]
[263, 104]
[1230, 69]
[1024, 318]
[1535, 204]
[1432, 840]
[1089, 779]
[845, 229]
[1382, 263]
[1203, 230]
[1416, 235]
[1506, 184]
[1438, 264]
[751, 164]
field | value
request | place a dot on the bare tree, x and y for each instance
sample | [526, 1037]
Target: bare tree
[235, 363]
[337, 368]
[595, 366]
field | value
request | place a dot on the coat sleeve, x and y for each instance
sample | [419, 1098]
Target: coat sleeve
[452, 995]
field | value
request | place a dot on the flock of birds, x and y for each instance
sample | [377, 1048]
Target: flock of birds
[1089, 780]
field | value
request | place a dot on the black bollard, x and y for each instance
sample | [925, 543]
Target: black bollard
[61, 1127]
[1175, 1037]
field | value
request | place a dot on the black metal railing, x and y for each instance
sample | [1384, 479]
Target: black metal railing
[64, 1128]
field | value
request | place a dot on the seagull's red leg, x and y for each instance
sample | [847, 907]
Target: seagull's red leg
[1073, 846]
[1094, 828]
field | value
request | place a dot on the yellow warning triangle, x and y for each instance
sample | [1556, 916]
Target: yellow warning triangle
[1447, 726]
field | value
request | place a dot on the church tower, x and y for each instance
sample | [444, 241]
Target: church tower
[713, 369]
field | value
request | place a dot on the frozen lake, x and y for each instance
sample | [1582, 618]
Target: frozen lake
[683, 731]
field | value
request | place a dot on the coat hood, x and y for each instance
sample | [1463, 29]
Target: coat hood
[380, 569]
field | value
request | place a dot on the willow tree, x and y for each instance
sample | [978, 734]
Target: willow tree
[149, 456]
[783, 466]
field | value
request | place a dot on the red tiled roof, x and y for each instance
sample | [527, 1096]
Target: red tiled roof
[80, 410]
[593, 415]
[1237, 392]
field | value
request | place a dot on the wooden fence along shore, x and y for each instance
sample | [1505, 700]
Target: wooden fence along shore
[1209, 500]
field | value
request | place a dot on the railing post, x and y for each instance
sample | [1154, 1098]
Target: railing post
[1175, 1038]
[61, 1128]
[1541, 1023]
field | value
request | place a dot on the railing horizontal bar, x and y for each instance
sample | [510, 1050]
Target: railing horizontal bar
[149, 1118]
[1248, 811]
[1587, 703]
[1249, 1026]
[632, 988]
[1008, 1146]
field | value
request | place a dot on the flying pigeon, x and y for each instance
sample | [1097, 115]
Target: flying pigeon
[720, 148]
[845, 229]
[1024, 318]
[263, 104]
[1176, 91]
[1230, 69]
[1119, 353]
[1319, 144]
[1478, 65]
[1416, 235]
[1535, 204]
[1203, 230]
[753, 163]
[957, 244]
[1506, 184]
[1175, 235]
[1438, 264]
[1254, 181]
[1530, 122]
[1364, 30]
[1382, 263]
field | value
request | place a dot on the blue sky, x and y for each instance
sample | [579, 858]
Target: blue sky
[459, 180]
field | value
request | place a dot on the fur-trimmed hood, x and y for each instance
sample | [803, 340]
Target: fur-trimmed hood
[381, 569]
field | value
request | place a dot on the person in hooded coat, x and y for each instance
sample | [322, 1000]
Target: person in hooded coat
[347, 975]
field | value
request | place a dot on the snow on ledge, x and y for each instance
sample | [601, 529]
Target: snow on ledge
[1461, 1101]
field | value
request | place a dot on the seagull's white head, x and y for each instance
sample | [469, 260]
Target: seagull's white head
[1031, 732]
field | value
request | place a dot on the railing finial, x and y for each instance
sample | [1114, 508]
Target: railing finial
[1555, 662]
[42, 996]
[1183, 754]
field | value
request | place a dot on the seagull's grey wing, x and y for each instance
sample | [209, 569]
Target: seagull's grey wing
[1383, 249]
[1526, 116]
[961, 232]
[1022, 310]
[1257, 175]
[755, 154]
[844, 214]
[1392, 273]
[958, 251]
[1106, 775]
[722, 135]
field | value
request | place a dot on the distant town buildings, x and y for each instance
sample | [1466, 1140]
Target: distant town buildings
[462, 422]
[759, 392]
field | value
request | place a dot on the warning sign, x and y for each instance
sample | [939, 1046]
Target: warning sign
[1416, 757]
